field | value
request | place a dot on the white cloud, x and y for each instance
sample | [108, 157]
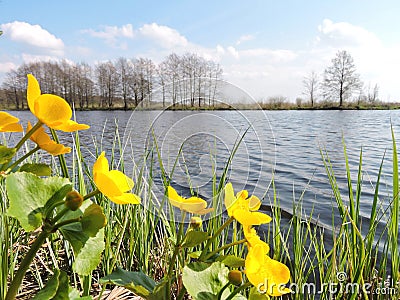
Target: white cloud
[110, 34]
[233, 52]
[33, 35]
[163, 35]
[245, 38]
[345, 34]
[7, 66]
[274, 56]
[30, 58]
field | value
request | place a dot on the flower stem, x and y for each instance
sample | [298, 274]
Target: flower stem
[219, 296]
[60, 215]
[238, 290]
[22, 158]
[66, 222]
[28, 135]
[91, 194]
[225, 247]
[25, 263]
[176, 251]
[212, 239]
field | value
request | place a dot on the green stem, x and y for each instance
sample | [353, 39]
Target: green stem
[238, 290]
[225, 247]
[66, 222]
[176, 251]
[28, 135]
[60, 215]
[91, 194]
[25, 263]
[16, 163]
[219, 296]
[217, 233]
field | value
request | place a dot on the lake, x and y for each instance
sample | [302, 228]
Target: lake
[286, 142]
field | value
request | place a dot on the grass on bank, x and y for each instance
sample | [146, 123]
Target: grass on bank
[139, 237]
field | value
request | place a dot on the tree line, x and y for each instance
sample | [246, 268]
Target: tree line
[187, 80]
[340, 82]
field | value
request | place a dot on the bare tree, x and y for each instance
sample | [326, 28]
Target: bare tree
[14, 85]
[107, 83]
[341, 79]
[311, 83]
[125, 72]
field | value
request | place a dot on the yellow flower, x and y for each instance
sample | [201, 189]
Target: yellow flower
[50, 109]
[266, 274]
[253, 239]
[192, 205]
[113, 184]
[9, 123]
[243, 208]
[43, 140]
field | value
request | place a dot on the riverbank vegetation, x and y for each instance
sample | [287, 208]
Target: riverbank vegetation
[185, 81]
[87, 230]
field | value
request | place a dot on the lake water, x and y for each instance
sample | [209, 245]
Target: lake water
[286, 142]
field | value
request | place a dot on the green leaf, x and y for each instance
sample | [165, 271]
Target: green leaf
[159, 291]
[207, 283]
[37, 169]
[137, 282]
[195, 254]
[56, 288]
[74, 294]
[255, 295]
[231, 261]
[89, 256]
[57, 197]
[194, 238]
[28, 194]
[87, 240]
[6, 154]
[93, 220]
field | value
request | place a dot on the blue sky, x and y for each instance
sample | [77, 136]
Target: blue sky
[265, 47]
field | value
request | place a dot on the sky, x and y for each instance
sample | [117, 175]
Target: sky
[264, 47]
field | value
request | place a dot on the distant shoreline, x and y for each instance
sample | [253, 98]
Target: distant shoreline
[238, 107]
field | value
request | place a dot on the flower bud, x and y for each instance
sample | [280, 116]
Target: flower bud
[195, 222]
[235, 277]
[73, 200]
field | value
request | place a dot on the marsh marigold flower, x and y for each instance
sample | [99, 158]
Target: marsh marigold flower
[265, 273]
[50, 109]
[9, 123]
[244, 208]
[43, 140]
[253, 238]
[192, 205]
[113, 184]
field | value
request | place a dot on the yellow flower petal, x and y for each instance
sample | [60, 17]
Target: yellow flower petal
[101, 164]
[253, 239]
[113, 184]
[192, 205]
[254, 203]
[106, 184]
[126, 198]
[70, 126]
[243, 208]
[124, 182]
[55, 149]
[230, 198]
[9, 123]
[262, 270]
[33, 92]
[43, 140]
[50, 109]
